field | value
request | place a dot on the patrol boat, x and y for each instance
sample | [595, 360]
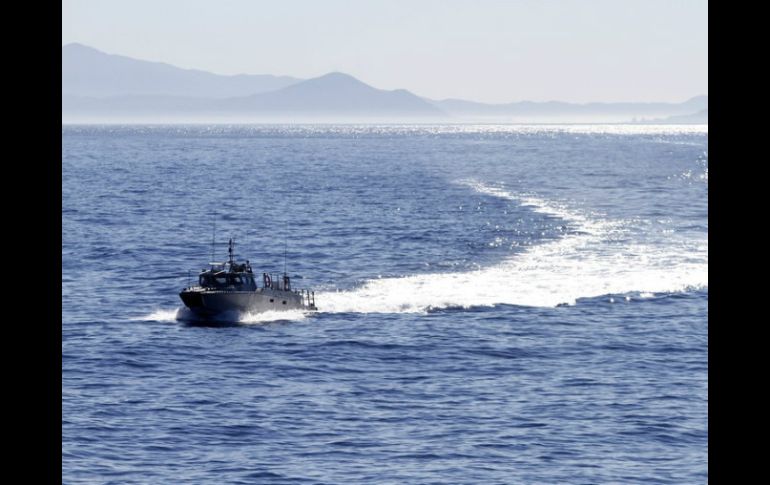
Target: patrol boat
[231, 286]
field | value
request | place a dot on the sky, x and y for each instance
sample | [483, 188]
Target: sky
[481, 50]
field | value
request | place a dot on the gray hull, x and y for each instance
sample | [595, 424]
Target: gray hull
[212, 302]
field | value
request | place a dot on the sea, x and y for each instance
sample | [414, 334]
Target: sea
[497, 304]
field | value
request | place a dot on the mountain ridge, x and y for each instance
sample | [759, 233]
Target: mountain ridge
[98, 85]
[90, 72]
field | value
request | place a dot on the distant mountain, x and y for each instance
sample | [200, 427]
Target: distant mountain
[335, 93]
[701, 117]
[90, 72]
[698, 103]
[555, 111]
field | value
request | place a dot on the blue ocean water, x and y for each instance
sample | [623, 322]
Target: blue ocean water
[497, 304]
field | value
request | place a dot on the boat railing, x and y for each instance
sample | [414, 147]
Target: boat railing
[308, 297]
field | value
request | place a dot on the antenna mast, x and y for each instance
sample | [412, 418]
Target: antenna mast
[213, 236]
[285, 238]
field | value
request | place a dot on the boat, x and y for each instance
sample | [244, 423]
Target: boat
[232, 287]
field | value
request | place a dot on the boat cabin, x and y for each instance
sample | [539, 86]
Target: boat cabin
[232, 276]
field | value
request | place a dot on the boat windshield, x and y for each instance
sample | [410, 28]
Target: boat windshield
[227, 281]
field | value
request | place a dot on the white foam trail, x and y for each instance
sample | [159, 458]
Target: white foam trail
[161, 316]
[183, 314]
[581, 265]
[583, 223]
[272, 316]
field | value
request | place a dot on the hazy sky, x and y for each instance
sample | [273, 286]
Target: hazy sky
[483, 50]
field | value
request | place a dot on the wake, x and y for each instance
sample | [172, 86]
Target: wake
[587, 264]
